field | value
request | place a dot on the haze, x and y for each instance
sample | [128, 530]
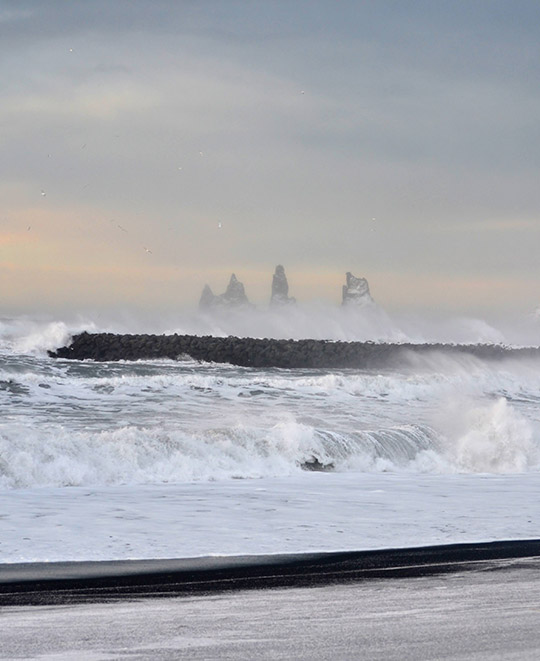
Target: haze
[149, 148]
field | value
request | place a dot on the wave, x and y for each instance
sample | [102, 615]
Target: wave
[432, 376]
[492, 438]
[107, 395]
[27, 336]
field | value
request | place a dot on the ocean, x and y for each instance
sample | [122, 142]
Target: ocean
[182, 458]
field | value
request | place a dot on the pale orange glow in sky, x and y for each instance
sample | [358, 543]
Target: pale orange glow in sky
[148, 149]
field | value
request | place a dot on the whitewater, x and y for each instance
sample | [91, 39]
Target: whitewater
[163, 458]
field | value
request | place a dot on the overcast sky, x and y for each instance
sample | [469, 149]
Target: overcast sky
[149, 147]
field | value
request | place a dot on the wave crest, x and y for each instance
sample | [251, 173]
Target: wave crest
[497, 440]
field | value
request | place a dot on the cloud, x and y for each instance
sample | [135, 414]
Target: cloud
[476, 294]
[506, 225]
[15, 14]
[101, 102]
[169, 117]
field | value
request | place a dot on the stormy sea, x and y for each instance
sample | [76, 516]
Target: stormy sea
[163, 458]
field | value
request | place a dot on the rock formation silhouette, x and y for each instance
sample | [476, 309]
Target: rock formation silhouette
[207, 298]
[356, 291]
[234, 296]
[280, 288]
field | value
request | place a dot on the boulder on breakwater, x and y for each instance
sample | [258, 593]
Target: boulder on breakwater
[251, 352]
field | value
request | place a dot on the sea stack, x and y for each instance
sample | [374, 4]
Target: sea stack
[233, 297]
[356, 291]
[234, 294]
[207, 298]
[280, 288]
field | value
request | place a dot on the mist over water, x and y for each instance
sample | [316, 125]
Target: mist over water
[317, 320]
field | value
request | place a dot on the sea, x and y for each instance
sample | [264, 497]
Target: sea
[170, 459]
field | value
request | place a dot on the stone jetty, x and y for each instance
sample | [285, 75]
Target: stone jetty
[252, 352]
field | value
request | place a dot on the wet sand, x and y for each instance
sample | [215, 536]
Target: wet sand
[79, 582]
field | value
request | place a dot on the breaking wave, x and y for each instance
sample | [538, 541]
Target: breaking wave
[35, 337]
[492, 438]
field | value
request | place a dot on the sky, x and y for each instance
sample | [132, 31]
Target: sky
[150, 147]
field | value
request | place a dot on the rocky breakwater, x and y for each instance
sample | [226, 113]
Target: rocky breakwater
[251, 352]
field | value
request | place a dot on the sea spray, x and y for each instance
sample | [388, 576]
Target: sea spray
[315, 320]
[490, 438]
[26, 336]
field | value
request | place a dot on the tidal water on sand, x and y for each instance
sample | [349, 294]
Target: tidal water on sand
[182, 458]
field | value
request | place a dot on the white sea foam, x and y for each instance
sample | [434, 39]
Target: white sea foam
[488, 439]
[295, 513]
[132, 455]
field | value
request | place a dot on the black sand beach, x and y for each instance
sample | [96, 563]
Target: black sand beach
[462, 602]
[79, 582]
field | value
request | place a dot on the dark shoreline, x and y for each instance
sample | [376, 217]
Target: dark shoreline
[251, 352]
[81, 582]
